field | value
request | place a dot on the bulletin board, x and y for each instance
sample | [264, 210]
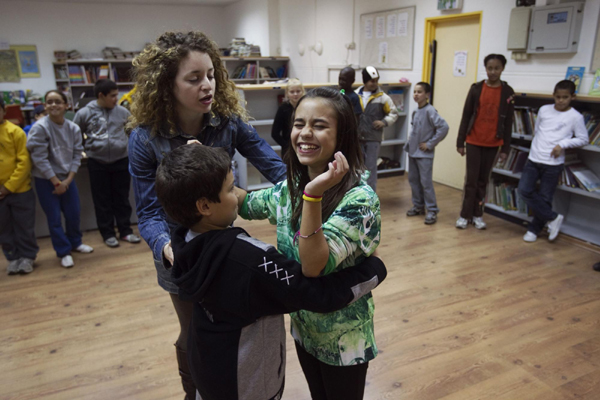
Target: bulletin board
[387, 37]
[596, 55]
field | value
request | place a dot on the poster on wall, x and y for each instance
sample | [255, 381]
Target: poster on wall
[9, 67]
[27, 60]
[460, 63]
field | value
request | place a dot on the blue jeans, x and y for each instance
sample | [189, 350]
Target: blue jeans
[52, 205]
[539, 200]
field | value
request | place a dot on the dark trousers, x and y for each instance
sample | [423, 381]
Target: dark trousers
[420, 177]
[110, 193]
[17, 226]
[67, 203]
[328, 382]
[480, 161]
[539, 200]
[371, 154]
[184, 310]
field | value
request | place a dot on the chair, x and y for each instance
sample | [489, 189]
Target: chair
[14, 115]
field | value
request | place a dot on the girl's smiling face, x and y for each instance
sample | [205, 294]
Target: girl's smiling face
[314, 134]
[294, 93]
[194, 85]
[55, 106]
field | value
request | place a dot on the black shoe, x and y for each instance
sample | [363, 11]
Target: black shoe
[597, 267]
[415, 211]
[431, 218]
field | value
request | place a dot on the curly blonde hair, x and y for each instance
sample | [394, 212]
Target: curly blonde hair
[154, 71]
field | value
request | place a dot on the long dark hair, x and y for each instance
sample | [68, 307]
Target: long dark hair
[346, 141]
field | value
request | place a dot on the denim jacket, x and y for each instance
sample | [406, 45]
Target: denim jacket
[146, 151]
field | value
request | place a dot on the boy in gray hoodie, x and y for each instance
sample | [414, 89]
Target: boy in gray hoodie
[428, 129]
[102, 123]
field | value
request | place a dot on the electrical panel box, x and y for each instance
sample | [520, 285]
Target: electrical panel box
[518, 28]
[555, 28]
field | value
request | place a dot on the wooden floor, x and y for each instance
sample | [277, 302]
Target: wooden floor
[463, 315]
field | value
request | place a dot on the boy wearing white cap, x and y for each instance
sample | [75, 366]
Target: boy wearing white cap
[379, 111]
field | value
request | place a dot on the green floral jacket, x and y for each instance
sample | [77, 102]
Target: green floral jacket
[344, 337]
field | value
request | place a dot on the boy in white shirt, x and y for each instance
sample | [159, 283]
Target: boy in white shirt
[558, 127]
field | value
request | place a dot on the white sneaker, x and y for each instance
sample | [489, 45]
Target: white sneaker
[530, 237]
[84, 248]
[478, 222]
[67, 261]
[554, 227]
[461, 223]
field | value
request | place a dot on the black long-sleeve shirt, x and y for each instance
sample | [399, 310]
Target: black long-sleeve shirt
[282, 126]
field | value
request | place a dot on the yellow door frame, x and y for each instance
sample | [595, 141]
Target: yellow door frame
[430, 28]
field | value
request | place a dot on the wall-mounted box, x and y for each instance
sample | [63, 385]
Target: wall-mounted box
[518, 28]
[555, 28]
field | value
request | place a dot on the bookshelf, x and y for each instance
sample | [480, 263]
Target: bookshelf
[579, 206]
[76, 78]
[262, 102]
[250, 70]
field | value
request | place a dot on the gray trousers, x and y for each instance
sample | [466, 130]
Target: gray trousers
[420, 177]
[17, 226]
[371, 154]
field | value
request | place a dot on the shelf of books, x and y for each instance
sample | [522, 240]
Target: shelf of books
[578, 193]
[256, 69]
[262, 102]
[76, 78]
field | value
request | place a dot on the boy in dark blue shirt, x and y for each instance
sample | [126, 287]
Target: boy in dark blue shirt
[345, 80]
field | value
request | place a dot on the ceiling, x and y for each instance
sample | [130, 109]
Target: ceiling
[154, 2]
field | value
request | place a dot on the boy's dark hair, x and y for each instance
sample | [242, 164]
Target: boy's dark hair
[2, 103]
[426, 86]
[347, 142]
[39, 110]
[187, 174]
[58, 92]
[104, 86]
[565, 84]
[498, 57]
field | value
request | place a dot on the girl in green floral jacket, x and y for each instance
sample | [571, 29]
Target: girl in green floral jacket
[328, 219]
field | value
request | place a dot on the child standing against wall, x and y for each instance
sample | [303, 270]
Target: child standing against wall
[379, 111]
[428, 130]
[282, 124]
[17, 201]
[557, 127]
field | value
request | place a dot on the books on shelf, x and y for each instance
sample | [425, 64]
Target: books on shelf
[81, 74]
[595, 89]
[517, 157]
[524, 121]
[397, 96]
[578, 175]
[505, 195]
[575, 75]
[61, 72]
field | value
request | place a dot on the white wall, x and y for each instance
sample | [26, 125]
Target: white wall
[249, 19]
[332, 24]
[90, 27]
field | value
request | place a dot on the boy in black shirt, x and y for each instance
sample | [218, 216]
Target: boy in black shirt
[240, 286]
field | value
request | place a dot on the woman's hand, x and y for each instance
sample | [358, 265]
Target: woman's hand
[168, 254]
[328, 179]
[461, 151]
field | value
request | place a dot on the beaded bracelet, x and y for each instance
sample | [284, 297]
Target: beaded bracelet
[297, 235]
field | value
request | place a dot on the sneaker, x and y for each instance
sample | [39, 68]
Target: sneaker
[131, 238]
[26, 265]
[554, 227]
[84, 248]
[415, 211]
[530, 237]
[431, 218]
[112, 242]
[478, 222]
[13, 267]
[461, 223]
[67, 261]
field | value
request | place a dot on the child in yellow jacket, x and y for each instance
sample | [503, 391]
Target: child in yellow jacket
[17, 201]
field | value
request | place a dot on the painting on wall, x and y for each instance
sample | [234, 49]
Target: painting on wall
[449, 4]
[9, 66]
[28, 61]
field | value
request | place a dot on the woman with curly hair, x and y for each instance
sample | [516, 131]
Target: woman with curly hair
[184, 93]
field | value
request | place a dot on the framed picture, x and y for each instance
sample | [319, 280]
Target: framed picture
[28, 61]
[449, 4]
[9, 67]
